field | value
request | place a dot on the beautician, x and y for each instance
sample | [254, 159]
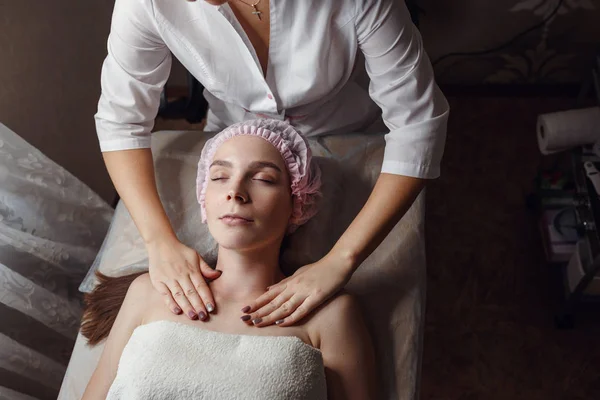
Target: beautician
[289, 60]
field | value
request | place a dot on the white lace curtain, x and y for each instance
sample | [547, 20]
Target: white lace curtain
[51, 226]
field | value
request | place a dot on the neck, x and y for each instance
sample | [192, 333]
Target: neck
[246, 274]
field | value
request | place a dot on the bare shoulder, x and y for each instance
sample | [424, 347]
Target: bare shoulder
[141, 286]
[341, 305]
[140, 299]
[334, 316]
[141, 291]
[347, 349]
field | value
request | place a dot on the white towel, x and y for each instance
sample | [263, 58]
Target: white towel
[170, 360]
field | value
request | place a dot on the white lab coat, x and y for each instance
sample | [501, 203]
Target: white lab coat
[311, 77]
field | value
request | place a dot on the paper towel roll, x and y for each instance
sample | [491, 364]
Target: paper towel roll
[567, 129]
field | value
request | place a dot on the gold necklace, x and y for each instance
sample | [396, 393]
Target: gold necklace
[255, 12]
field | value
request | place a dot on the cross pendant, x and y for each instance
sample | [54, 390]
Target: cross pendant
[257, 13]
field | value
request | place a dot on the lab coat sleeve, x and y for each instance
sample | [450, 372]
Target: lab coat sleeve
[133, 75]
[403, 86]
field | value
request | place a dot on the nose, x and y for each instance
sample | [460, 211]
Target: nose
[237, 195]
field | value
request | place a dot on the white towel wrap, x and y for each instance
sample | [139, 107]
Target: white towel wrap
[171, 360]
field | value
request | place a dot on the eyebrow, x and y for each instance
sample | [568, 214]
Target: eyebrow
[253, 165]
[221, 163]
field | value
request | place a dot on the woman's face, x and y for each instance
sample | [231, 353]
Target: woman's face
[248, 197]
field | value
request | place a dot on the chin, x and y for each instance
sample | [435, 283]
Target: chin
[228, 238]
[238, 244]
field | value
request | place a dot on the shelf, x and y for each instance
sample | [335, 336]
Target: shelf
[588, 209]
[586, 203]
[585, 298]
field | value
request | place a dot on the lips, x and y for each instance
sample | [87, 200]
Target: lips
[235, 220]
[236, 216]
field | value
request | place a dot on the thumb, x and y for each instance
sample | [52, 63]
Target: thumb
[208, 272]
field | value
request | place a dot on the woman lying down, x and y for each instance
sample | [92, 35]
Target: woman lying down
[256, 183]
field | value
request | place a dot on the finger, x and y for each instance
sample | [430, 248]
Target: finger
[167, 298]
[181, 300]
[286, 309]
[204, 291]
[281, 284]
[265, 298]
[272, 305]
[301, 311]
[209, 273]
[193, 297]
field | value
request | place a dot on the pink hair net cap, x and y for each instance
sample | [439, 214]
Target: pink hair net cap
[305, 176]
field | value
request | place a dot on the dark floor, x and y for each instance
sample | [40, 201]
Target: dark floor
[489, 326]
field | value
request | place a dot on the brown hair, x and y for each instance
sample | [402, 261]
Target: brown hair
[102, 305]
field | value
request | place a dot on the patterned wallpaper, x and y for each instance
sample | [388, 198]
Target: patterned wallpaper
[559, 52]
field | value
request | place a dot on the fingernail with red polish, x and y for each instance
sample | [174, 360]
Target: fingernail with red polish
[177, 310]
[192, 315]
[257, 321]
[246, 318]
[246, 309]
[202, 315]
[279, 322]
